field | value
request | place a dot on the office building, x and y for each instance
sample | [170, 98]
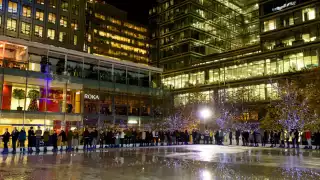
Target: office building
[287, 43]
[50, 78]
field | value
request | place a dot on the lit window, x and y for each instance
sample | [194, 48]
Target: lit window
[269, 25]
[51, 34]
[11, 24]
[89, 37]
[38, 31]
[39, 15]
[40, 1]
[52, 3]
[51, 18]
[74, 24]
[25, 28]
[75, 40]
[26, 11]
[308, 14]
[75, 9]
[12, 7]
[99, 16]
[63, 21]
[62, 36]
[64, 5]
[0, 4]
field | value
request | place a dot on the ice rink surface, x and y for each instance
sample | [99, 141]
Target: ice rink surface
[165, 163]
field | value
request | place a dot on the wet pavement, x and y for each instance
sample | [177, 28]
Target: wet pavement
[165, 163]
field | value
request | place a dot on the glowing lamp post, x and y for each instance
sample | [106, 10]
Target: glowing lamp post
[205, 114]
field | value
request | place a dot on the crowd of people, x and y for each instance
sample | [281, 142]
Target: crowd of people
[92, 138]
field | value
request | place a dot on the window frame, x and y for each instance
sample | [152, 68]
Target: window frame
[26, 14]
[37, 32]
[11, 27]
[27, 28]
[39, 15]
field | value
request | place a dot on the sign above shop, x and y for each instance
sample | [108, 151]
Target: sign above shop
[91, 96]
[285, 5]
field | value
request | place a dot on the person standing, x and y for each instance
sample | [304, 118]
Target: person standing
[22, 138]
[5, 139]
[46, 137]
[122, 134]
[230, 137]
[86, 139]
[38, 139]
[265, 138]
[143, 138]
[63, 137]
[94, 135]
[287, 137]
[296, 138]
[282, 139]
[308, 138]
[30, 139]
[55, 141]
[317, 138]
[15, 136]
[101, 139]
[211, 136]
[238, 137]
[75, 140]
[69, 140]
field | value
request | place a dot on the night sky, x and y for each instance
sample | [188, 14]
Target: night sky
[138, 10]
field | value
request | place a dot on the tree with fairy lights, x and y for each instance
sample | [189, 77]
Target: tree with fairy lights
[231, 109]
[293, 106]
[184, 114]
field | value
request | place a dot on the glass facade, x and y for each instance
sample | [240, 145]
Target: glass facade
[245, 69]
[57, 89]
[184, 31]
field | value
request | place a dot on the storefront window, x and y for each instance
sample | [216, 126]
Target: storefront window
[121, 104]
[134, 105]
[105, 103]
[36, 95]
[91, 101]
[56, 97]
[73, 98]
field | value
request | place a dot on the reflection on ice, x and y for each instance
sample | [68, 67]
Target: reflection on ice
[204, 162]
[205, 153]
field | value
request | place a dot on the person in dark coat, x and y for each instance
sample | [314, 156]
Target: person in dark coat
[22, 138]
[238, 133]
[230, 138]
[317, 139]
[134, 136]
[63, 139]
[55, 141]
[186, 137]
[31, 139]
[265, 138]
[5, 139]
[15, 136]
[86, 139]
[101, 138]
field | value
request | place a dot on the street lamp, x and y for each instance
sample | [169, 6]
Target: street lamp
[205, 113]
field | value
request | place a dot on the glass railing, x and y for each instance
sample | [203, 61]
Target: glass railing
[75, 70]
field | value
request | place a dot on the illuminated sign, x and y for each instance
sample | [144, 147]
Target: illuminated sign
[285, 5]
[91, 96]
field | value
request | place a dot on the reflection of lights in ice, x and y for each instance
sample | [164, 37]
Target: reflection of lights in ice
[206, 175]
